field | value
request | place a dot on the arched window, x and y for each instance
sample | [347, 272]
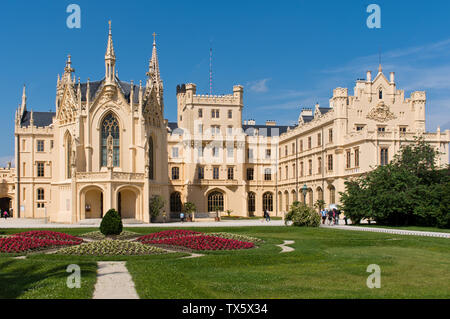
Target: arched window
[150, 158]
[215, 202]
[332, 194]
[110, 127]
[251, 202]
[319, 193]
[175, 202]
[268, 202]
[311, 198]
[286, 200]
[68, 156]
[380, 94]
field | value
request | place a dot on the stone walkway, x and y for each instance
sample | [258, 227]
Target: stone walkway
[390, 231]
[284, 248]
[114, 281]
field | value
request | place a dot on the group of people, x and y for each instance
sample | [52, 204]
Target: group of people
[5, 214]
[331, 216]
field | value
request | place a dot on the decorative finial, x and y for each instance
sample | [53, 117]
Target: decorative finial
[109, 22]
[154, 38]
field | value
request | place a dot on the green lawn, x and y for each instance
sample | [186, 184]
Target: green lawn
[327, 263]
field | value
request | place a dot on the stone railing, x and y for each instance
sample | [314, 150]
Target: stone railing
[106, 176]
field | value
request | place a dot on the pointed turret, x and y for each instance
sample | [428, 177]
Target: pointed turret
[110, 59]
[153, 74]
[68, 70]
[23, 106]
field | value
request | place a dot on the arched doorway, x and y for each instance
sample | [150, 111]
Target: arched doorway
[267, 202]
[251, 203]
[175, 202]
[5, 204]
[127, 201]
[93, 203]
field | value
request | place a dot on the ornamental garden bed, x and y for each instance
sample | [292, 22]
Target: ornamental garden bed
[111, 247]
[185, 239]
[124, 235]
[36, 240]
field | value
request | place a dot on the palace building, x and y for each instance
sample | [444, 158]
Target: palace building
[109, 146]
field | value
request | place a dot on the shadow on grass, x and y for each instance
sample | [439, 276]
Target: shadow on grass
[18, 276]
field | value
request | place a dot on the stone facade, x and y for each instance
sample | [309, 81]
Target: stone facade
[109, 146]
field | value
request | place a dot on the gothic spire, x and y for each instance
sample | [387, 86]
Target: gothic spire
[68, 70]
[23, 106]
[110, 58]
[153, 68]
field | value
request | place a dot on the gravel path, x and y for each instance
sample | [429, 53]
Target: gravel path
[284, 248]
[390, 231]
[114, 281]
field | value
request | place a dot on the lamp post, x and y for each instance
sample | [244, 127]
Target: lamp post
[304, 191]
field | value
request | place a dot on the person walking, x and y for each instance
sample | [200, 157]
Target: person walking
[5, 214]
[330, 217]
[336, 216]
[323, 212]
[266, 213]
[182, 217]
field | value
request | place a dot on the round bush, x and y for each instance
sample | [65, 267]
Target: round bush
[111, 223]
[302, 215]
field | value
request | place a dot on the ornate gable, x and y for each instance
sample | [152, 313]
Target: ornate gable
[68, 110]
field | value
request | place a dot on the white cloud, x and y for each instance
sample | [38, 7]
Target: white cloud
[5, 159]
[258, 86]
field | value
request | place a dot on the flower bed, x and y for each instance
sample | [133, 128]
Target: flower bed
[50, 235]
[110, 247]
[237, 237]
[97, 235]
[202, 242]
[18, 244]
[168, 234]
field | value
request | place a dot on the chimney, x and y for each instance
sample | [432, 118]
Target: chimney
[271, 123]
[392, 77]
[369, 76]
[251, 122]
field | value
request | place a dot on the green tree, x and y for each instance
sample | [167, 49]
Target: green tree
[156, 204]
[319, 204]
[189, 208]
[111, 223]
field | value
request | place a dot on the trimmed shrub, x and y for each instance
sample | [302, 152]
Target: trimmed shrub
[302, 215]
[111, 223]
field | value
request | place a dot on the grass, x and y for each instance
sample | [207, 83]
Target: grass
[326, 263]
[413, 228]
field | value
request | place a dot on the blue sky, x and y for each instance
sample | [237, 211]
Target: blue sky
[287, 54]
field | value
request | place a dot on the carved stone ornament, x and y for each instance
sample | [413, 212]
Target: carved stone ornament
[381, 113]
[109, 143]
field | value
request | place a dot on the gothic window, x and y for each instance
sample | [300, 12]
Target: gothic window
[150, 159]
[68, 156]
[110, 127]
[215, 202]
[380, 94]
[251, 202]
[268, 202]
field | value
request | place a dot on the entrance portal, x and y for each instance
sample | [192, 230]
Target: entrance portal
[94, 204]
[127, 204]
[5, 204]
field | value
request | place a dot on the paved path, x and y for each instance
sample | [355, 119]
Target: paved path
[390, 231]
[284, 248]
[114, 281]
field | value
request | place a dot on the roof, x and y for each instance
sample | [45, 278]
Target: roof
[324, 110]
[41, 119]
[96, 86]
[307, 118]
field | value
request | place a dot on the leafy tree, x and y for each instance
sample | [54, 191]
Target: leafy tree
[302, 215]
[319, 204]
[156, 204]
[189, 208]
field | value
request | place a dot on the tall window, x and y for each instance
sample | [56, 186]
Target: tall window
[69, 157]
[215, 173]
[319, 165]
[301, 145]
[150, 159]
[309, 142]
[319, 139]
[384, 156]
[357, 157]
[40, 197]
[200, 113]
[349, 159]
[215, 202]
[287, 172]
[310, 169]
[267, 174]
[110, 127]
[40, 145]
[330, 135]
[175, 202]
[330, 162]
[301, 169]
[230, 114]
[230, 173]
[249, 174]
[268, 202]
[380, 94]
[251, 202]
[200, 172]
[175, 152]
[40, 169]
[175, 173]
